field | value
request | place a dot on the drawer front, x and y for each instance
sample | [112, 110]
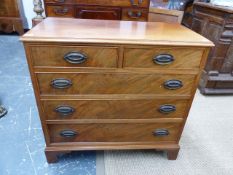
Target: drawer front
[59, 1]
[162, 57]
[65, 56]
[113, 83]
[98, 13]
[114, 109]
[112, 132]
[60, 11]
[121, 3]
[132, 14]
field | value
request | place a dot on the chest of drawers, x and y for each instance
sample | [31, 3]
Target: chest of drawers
[113, 84]
[132, 10]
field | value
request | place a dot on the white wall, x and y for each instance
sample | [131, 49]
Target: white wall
[27, 12]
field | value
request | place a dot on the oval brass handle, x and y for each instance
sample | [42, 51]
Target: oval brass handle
[61, 11]
[163, 59]
[64, 110]
[161, 132]
[61, 83]
[173, 84]
[75, 57]
[166, 109]
[68, 133]
[135, 15]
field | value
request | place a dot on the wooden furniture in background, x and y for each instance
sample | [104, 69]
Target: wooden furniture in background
[10, 20]
[188, 15]
[216, 24]
[180, 12]
[123, 85]
[94, 9]
[165, 15]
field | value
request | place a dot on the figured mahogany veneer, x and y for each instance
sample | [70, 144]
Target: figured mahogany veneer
[55, 56]
[112, 132]
[183, 57]
[113, 108]
[113, 84]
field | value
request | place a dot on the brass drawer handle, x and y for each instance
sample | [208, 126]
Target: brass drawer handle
[173, 84]
[68, 133]
[163, 59]
[61, 83]
[166, 109]
[65, 110]
[61, 11]
[134, 15]
[161, 132]
[75, 57]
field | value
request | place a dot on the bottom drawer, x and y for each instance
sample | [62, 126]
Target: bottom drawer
[114, 132]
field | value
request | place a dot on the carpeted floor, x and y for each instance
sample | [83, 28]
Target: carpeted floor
[206, 145]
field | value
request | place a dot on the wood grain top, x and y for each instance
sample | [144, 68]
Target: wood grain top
[113, 32]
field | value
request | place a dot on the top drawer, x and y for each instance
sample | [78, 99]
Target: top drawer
[122, 3]
[184, 58]
[79, 56]
[59, 1]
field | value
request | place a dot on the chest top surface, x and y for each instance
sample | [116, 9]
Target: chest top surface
[114, 32]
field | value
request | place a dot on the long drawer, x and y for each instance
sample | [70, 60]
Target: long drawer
[164, 57]
[122, 3]
[74, 56]
[114, 109]
[114, 132]
[114, 83]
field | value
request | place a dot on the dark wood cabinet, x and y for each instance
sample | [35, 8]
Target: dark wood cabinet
[93, 9]
[216, 24]
[10, 20]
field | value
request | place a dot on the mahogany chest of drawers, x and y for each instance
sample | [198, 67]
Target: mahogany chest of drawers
[93, 9]
[114, 84]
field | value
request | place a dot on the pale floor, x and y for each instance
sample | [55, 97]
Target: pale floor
[21, 139]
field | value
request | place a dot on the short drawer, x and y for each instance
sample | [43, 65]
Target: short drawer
[185, 58]
[60, 11]
[114, 83]
[79, 56]
[114, 109]
[114, 132]
[134, 14]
